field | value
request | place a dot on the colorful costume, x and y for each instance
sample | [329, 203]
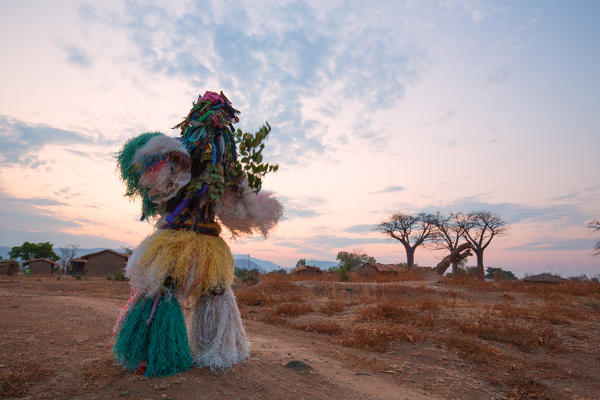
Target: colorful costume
[187, 184]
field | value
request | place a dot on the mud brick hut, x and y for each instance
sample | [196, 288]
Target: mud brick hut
[9, 267]
[104, 262]
[77, 266]
[306, 270]
[41, 266]
[372, 269]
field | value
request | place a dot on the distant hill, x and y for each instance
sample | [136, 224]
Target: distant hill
[241, 261]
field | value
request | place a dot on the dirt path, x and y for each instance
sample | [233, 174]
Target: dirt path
[60, 344]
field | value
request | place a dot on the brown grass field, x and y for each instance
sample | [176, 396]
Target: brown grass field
[391, 338]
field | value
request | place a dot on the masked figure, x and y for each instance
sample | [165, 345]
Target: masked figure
[191, 185]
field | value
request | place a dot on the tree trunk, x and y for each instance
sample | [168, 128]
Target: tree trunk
[480, 269]
[457, 255]
[410, 256]
[455, 268]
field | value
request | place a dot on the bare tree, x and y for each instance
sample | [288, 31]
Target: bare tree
[595, 227]
[479, 228]
[447, 235]
[410, 230]
[67, 253]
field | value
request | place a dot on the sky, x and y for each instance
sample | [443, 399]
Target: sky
[376, 108]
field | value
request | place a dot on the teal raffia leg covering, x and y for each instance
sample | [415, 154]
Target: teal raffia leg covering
[155, 337]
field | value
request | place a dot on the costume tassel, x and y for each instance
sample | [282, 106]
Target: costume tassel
[218, 336]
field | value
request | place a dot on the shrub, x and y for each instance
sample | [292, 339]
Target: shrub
[292, 309]
[332, 307]
[499, 274]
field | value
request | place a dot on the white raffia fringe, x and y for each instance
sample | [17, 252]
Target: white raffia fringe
[164, 180]
[249, 212]
[218, 337]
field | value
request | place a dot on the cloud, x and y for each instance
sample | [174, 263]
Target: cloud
[557, 245]
[27, 215]
[515, 212]
[28, 219]
[268, 57]
[391, 189]
[302, 207]
[360, 228]
[333, 241]
[77, 56]
[498, 76]
[20, 142]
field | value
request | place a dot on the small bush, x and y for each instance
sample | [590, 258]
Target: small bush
[332, 307]
[387, 310]
[471, 347]
[292, 309]
[378, 336]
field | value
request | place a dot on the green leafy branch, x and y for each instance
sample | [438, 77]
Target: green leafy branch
[250, 147]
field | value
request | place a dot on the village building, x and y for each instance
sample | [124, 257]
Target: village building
[41, 266]
[371, 269]
[101, 263]
[306, 270]
[77, 266]
[544, 278]
[9, 267]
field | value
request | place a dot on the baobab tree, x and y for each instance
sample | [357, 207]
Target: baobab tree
[595, 227]
[410, 230]
[448, 234]
[479, 228]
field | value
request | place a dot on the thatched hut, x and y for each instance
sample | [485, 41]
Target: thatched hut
[544, 278]
[39, 266]
[372, 269]
[104, 262]
[306, 270]
[9, 267]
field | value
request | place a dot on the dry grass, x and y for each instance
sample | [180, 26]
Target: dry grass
[524, 336]
[504, 329]
[332, 307]
[292, 309]
[15, 381]
[378, 336]
[472, 348]
[325, 327]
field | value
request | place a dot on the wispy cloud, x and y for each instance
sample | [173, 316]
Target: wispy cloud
[557, 245]
[268, 57]
[302, 207]
[360, 228]
[77, 56]
[390, 189]
[515, 212]
[20, 141]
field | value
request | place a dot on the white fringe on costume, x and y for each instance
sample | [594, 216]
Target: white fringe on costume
[164, 180]
[218, 336]
[249, 212]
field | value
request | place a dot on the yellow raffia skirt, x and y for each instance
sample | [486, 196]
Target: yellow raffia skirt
[198, 263]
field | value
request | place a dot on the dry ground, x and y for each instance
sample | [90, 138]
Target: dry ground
[431, 339]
